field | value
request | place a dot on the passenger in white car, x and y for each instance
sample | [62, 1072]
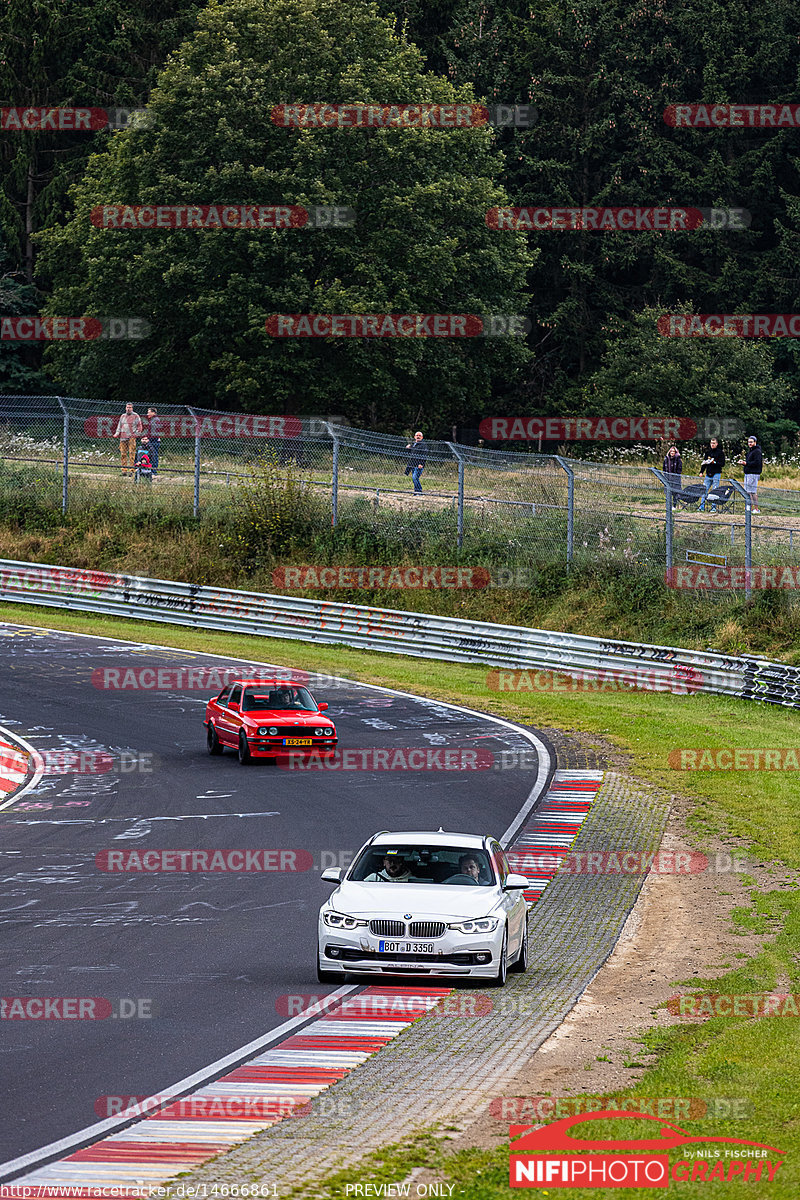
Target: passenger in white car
[394, 870]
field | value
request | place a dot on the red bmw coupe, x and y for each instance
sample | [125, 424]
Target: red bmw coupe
[268, 718]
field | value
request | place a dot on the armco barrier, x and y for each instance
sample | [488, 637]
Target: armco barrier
[389, 630]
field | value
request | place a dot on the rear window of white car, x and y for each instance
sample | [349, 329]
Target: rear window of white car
[455, 866]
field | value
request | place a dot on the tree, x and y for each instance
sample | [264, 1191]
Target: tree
[643, 373]
[420, 243]
[601, 73]
[63, 53]
[19, 364]
[426, 24]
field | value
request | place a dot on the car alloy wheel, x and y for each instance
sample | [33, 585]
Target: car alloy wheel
[499, 979]
[212, 741]
[324, 976]
[244, 749]
[521, 963]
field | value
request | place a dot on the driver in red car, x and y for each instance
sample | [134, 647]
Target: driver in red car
[394, 869]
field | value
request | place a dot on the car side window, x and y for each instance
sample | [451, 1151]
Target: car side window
[222, 698]
[235, 696]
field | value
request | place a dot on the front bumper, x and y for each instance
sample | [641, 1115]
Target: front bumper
[266, 748]
[455, 955]
[270, 747]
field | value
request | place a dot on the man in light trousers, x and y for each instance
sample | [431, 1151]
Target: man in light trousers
[129, 427]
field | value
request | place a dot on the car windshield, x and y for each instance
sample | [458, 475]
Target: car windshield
[286, 697]
[452, 865]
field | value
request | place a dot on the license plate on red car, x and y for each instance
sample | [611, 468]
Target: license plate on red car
[297, 742]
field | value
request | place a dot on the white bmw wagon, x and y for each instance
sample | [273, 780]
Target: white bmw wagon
[444, 904]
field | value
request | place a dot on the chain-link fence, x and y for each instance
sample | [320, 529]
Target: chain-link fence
[70, 453]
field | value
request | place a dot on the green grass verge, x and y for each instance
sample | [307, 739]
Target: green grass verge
[607, 597]
[756, 1058]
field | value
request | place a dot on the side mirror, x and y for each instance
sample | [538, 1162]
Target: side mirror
[234, 707]
[514, 881]
[322, 707]
[334, 875]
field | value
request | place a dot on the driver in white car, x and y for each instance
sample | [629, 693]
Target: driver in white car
[394, 869]
[468, 865]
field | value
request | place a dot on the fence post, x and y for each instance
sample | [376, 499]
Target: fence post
[196, 504]
[668, 527]
[334, 477]
[460, 515]
[570, 504]
[748, 534]
[65, 456]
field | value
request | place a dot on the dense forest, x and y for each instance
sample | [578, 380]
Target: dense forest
[599, 76]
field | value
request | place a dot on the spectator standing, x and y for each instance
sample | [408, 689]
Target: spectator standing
[129, 428]
[673, 469]
[415, 464]
[753, 464]
[713, 464]
[154, 435]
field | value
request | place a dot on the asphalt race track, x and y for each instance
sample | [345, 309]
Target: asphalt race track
[209, 955]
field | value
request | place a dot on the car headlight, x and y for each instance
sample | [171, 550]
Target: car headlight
[340, 921]
[262, 731]
[480, 925]
[321, 732]
[273, 729]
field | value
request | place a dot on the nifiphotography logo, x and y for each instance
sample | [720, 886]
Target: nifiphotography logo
[551, 1157]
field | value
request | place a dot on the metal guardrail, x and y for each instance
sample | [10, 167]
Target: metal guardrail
[657, 668]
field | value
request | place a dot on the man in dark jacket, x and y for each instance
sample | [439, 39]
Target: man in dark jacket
[416, 461]
[753, 464]
[712, 464]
